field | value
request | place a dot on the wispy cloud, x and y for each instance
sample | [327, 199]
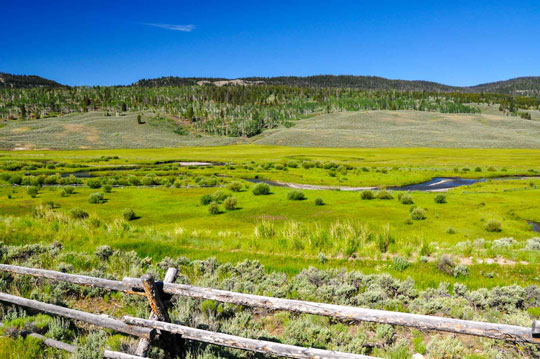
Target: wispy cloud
[184, 28]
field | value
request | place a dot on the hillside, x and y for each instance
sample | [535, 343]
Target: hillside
[95, 130]
[25, 81]
[523, 86]
[526, 86]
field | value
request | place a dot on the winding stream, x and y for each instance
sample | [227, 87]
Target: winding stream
[436, 184]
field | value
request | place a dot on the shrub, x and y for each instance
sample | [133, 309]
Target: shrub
[451, 231]
[96, 198]
[78, 213]
[235, 186]
[32, 191]
[384, 195]
[406, 199]
[129, 214]
[213, 208]
[446, 264]
[230, 203]
[261, 189]
[418, 214]
[92, 347]
[503, 243]
[478, 169]
[93, 183]
[319, 201]
[219, 196]
[461, 270]
[367, 195]
[103, 252]
[69, 190]
[440, 198]
[400, 264]
[107, 188]
[134, 180]
[296, 196]
[206, 199]
[493, 226]
[533, 244]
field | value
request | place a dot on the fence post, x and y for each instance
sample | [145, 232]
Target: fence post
[535, 329]
[154, 294]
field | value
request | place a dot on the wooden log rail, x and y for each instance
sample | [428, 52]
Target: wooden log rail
[254, 345]
[109, 354]
[423, 322]
[98, 320]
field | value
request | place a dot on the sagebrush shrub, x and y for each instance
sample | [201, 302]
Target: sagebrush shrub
[261, 189]
[493, 226]
[440, 198]
[78, 213]
[406, 199]
[446, 264]
[213, 208]
[400, 264]
[206, 199]
[230, 203]
[533, 244]
[129, 214]
[219, 196]
[385, 195]
[107, 188]
[296, 196]
[235, 186]
[96, 198]
[319, 201]
[93, 183]
[418, 214]
[103, 252]
[69, 190]
[367, 195]
[32, 191]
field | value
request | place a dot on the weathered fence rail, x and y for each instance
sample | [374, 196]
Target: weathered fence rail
[159, 319]
[71, 348]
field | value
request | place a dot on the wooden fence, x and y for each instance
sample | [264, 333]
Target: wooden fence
[171, 336]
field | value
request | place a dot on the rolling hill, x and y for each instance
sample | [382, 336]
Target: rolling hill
[25, 81]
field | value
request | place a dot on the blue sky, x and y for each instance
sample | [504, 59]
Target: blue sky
[118, 42]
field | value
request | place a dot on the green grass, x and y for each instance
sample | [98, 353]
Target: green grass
[349, 231]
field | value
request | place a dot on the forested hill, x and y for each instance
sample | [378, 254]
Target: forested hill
[25, 81]
[527, 86]
[347, 81]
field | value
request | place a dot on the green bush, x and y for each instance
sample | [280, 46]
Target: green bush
[261, 189]
[69, 190]
[213, 208]
[32, 191]
[230, 203]
[367, 195]
[93, 183]
[103, 252]
[219, 196]
[206, 199]
[319, 201]
[235, 186]
[418, 214]
[296, 196]
[400, 264]
[107, 188]
[96, 198]
[78, 213]
[385, 195]
[129, 214]
[440, 198]
[493, 226]
[446, 264]
[406, 199]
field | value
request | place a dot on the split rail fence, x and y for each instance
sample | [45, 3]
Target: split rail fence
[159, 329]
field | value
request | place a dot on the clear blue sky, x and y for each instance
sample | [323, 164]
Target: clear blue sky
[118, 42]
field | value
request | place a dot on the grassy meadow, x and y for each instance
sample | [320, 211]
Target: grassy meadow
[346, 231]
